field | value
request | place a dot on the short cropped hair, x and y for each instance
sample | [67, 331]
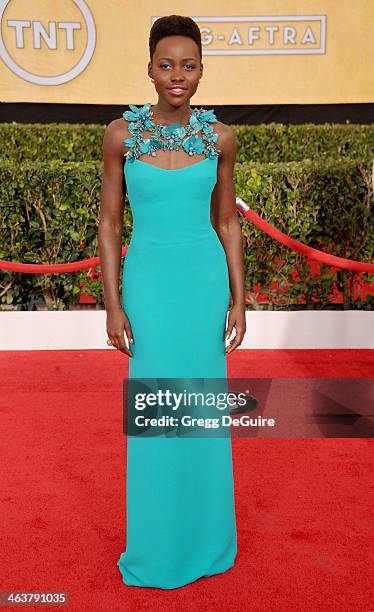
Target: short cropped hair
[174, 25]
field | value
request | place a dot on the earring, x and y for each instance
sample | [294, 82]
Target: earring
[152, 80]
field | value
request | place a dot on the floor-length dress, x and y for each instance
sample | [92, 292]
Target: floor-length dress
[180, 514]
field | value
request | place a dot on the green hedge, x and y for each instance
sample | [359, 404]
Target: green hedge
[21, 142]
[49, 214]
[284, 143]
[326, 205]
[264, 143]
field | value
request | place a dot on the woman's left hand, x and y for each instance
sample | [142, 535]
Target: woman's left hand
[236, 318]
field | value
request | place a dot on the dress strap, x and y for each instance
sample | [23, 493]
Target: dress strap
[170, 137]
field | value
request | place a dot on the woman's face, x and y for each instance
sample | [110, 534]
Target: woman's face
[176, 69]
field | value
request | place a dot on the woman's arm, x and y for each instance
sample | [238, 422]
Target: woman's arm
[110, 235]
[226, 223]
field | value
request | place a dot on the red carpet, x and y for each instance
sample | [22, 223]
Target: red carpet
[304, 506]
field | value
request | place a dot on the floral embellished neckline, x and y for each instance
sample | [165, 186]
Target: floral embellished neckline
[170, 124]
[170, 137]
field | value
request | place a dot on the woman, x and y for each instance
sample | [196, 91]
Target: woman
[177, 275]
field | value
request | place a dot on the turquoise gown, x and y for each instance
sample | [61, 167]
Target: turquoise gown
[180, 514]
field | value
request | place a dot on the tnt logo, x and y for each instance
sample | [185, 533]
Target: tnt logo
[46, 42]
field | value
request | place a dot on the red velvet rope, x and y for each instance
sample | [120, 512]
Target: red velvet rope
[298, 247]
[303, 249]
[73, 266]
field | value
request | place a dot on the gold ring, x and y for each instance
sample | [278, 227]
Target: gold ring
[109, 342]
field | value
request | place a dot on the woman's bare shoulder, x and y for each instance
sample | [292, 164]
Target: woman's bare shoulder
[115, 133]
[226, 138]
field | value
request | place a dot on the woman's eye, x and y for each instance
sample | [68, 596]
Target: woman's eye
[188, 65]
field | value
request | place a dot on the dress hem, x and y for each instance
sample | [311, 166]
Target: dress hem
[178, 586]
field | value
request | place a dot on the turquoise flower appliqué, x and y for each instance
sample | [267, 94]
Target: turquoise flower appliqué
[170, 137]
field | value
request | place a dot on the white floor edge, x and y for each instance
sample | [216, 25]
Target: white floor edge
[85, 329]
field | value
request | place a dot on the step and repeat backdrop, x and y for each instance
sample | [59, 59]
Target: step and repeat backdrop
[258, 52]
